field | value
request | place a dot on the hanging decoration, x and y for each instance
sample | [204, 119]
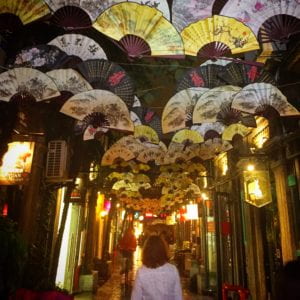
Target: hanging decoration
[146, 134]
[154, 154]
[256, 97]
[140, 30]
[212, 147]
[79, 45]
[106, 75]
[117, 153]
[206, 129]
[94, 102]
[234, 129]
[187, 137]
[178, 111]
[221, 34]
[27, 81]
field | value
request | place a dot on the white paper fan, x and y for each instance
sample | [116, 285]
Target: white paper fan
[69, 80]
[217, 127]
[212, 102]
[90, 132]
[161, 5]
[99, 101]
[27, 80]
[216, 146]
[79, 45]
[116, 153]
[135, 119]
[178, 110]
[254, 98]
[219, 61]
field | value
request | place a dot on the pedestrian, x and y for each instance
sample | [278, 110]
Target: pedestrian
[127, 246]
[156, 279]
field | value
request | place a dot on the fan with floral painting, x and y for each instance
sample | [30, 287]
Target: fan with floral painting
[217, 36]
[106, 75]
[140, 30]
[79, 45]
[92, 103]
[178, 111]
[256, 97]
[234, 129]
[146, 134]
[215, 105]
[27, 81]
[116, 154]
[209, 130]
[15, 13]
[187, 137]
[131, 143]
[214, 146]
[151, 154]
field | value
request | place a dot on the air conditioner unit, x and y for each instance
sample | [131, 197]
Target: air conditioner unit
[56, 160]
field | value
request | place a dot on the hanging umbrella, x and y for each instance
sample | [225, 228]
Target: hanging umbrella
[27, 11]
[225, 33]
[116, 153]
[256, 97]
[255, 13]
[178, 111]
[187, 12]
[206, 76]
[234, 129]
[93, 102]
[146, 134]
[211, 103]
[106, 75]
[69, 80]
[140, 30]
[79, 45]
[28, 81]
[42, 57]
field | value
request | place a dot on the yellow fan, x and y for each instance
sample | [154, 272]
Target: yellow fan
[233, 129]
[115, 153]
[152, 154]
[218, 29]
[146, 134]
[140, 30]
[27, 11]
[187, 135]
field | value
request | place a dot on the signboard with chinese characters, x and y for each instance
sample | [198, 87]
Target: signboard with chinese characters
[16, 163]
[257, 187]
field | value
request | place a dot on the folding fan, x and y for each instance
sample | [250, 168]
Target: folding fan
[42, 57]
[151, 154]
[178, 111]
[29, 81]
[205, 128]
[225, 33]
[27, 11]
[255, 13]
[140, 30]
[90, 132]
[254, 98]
[79, 45]
[215, 146]
[242, 74]
[136, 102]
[92, 102]
[187, 12]
[146, 134]
[234, 129]
[203, 76]
[219, 61]
[187, 136]
[69, 80]
[102, 74]
[213, 102]
[116, 153]
[131, 143]
[135, 119]
[194, 189]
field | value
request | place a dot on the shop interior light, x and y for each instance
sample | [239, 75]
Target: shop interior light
[250, 167]
[204, 196]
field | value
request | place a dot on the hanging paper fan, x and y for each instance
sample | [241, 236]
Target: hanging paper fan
[215, 146]
[27, 11]
[146, 134]
[241, 75]
[131, 143]
[140, 30]
[136, 102]
[69, 80]
[234, 129]
[213, 102]
[255, 13]
[27, 81]
[93, 102]
[116, 153]
[178, 111]
[225, 33]
[135, 119]
[194, 189]
[151, 154]
[187, 12]
[187, 136]
[42, 57]
[219, 61]
[256, 97]
[79, 45]
[203, 76]
[105, 75]
[205, 128]
[90, 132]
[149, 118]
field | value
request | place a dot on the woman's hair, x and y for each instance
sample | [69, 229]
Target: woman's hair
[155, 252]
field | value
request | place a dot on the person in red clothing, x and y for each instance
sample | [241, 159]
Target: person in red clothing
[127, 246]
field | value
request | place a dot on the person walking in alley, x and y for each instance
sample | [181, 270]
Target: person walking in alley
[156, 279]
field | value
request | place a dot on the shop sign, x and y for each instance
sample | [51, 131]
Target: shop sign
[16, 163]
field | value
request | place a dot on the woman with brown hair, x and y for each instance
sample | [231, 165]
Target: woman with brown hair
[156, 279]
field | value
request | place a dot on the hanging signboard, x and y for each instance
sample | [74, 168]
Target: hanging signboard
[16, 163]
